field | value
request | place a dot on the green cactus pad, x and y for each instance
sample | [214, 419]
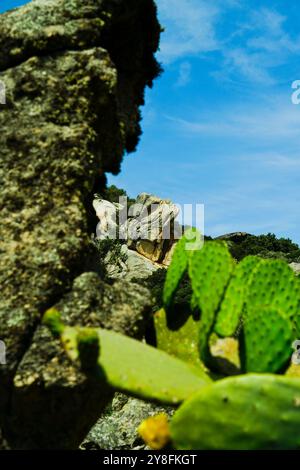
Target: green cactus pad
[232, 306]
[275, 284]
[88, 348]
[138, 369]
[193, 303]
[52, 319]
[210, 270]
[267, 341]
[179, 264]
[250, 412]
[181, 341]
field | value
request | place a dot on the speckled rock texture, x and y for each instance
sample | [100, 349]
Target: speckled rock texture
[75, 73]
[117, 427]
[148, 226]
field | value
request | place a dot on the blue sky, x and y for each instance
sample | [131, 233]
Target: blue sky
[219, 127]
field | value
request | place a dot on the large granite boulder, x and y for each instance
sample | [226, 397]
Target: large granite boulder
[148, 226]
[74, 73]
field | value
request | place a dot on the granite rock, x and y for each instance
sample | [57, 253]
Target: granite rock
[74, 73]
[117, 427]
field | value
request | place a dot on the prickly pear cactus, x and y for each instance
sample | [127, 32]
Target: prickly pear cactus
[193, 303]
[52, 320]
[243, 413]
[180, 341]
[179, 264]
[88, 346]
[275, 284]
[267, 341]
[133, 367]
[210, 270]
[230, 313]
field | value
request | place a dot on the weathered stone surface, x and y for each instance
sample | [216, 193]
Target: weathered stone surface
[117, 428]
[147, 227]
[75, 72]
[48, 389]
[134, 265]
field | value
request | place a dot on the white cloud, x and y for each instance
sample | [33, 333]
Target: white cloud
[249, 65]
[184, 77]
[252, 49]
[244, 203]
[190, 28]
[274, 160]
[263, 44]
[266, 122]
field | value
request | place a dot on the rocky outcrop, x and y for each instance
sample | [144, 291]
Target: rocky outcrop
[147, 230]
[130, 265]
[74, 73]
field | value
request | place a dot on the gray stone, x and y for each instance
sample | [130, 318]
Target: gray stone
[75, 73]
[48, 389]
[132, 266]
[148, 226]
[117, 428]
[295, 267]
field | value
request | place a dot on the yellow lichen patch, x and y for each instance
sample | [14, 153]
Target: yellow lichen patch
[155, 431]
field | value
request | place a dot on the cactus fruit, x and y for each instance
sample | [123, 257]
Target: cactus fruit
[181, 341]
[275, 284]
[210, 270]
[241, 413]
[267, 341]
[155, 431]
[133, 367]
[178, 265]
[232, 306]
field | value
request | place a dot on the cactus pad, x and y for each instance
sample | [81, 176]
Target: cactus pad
[210, 270]
[52, 320]
[267, 341]
[178, 265]
[275, 284]
[88, 348]
[181, 341]
[232, 306]
[138, 369]
[242, 413]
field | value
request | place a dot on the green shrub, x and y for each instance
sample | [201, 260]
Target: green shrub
[266, 246]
